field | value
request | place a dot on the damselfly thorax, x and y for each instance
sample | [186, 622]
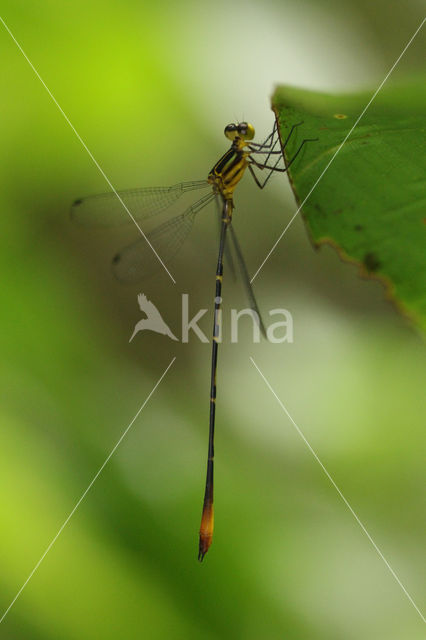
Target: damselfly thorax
[229, 170]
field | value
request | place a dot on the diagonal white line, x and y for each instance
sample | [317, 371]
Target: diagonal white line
[339, 491]
[340, 147]
[95, 477]
[86, 148]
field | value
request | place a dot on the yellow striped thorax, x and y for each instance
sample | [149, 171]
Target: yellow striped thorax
[229, 170]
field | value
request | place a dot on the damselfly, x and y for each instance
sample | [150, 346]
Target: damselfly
[158, 247]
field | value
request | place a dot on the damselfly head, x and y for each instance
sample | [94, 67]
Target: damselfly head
[242, 130]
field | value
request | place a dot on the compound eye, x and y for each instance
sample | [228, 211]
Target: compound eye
[230, 131]
[242, 128]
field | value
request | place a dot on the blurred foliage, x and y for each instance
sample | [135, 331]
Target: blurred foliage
[369, 203]
[149, 87]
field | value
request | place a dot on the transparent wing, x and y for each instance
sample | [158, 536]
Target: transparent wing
[107, 209]
[246, 279]
[138, 260]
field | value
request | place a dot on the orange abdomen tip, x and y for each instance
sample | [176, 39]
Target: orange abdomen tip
[206, 531]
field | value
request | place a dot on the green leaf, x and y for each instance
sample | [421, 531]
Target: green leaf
[370, 202]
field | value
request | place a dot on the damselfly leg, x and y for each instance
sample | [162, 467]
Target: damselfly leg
[274, 168]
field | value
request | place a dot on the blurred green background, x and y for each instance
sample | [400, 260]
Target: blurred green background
[149, 87]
